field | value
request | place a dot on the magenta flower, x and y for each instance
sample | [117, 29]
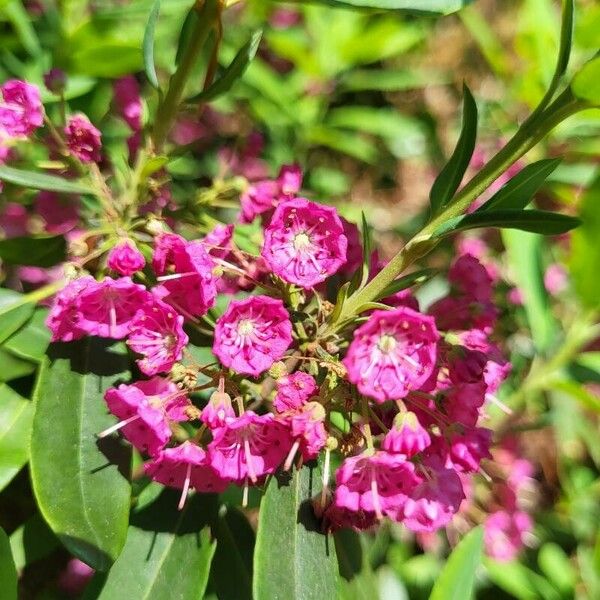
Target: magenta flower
[21, 109]
[339, 517]
[354, 252]
[185, 273]
[55, 80]
[83, 139]
[466, 450]
[308, 431]
[504, 534]
[462, 403]
[293, 391]
[218, 241]
[125, 258]
[157, 334]
[393, 353]
[128, 101]
[218, 411]
[249, 447]
[407, 436]
[145, 409]
[14, 220]
[305, 242]
[252, 334]
[64, 317]
[60, 214]
[108, 307]
[556, 279]
[376, 483]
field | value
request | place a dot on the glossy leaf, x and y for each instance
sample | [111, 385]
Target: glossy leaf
[35, 251]
[148, 45]
[15, 311]
[32, 541]
[31, 341]
[233, 72]
[457, 579]
[420, 7]
[293, 560]
[8, 573]
[518, 192]
[16, 415]
[451, 175]
[167, 553]
[41, 181]
[357, 579]
[14, 367]
[77, 481]
[534, 221]
[231, 573]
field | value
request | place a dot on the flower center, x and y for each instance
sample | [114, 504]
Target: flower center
[387, 344]
[301, 241]
[245, 327]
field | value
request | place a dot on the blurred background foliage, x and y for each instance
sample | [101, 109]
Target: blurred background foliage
[369, 105]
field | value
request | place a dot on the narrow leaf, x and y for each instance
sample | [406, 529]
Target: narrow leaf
[449, 179]
[8, 573]
[357, 579]
[518, 192]
[566, 39]
[41, 181]
[416, 7]
[35, 251]
[233, 72]
[293, 559]
[457, 579]
[32, 541]
[586, 83]
[148, 45]
[407, 281]
[77, 480]
[15, 311]
[366, 249]
[31, 341]
[167, 553]
[535, 221]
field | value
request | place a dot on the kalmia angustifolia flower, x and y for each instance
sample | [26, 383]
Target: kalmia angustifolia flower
[293, 391]
[21, 109]
[83, 139]
[125, 259]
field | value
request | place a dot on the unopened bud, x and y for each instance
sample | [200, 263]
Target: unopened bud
[278, 370]
[155, 226]
[55, 80]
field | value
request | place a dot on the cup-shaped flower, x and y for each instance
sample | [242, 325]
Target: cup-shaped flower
[407, 436]
[63, 318]
[83, 139]
[504, 534]
[393, 353]
[125, 258]
[304, 242]
[252, 334]
[293, 391]
[21, 109]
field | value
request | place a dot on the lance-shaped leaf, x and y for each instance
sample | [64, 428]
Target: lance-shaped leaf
[535, 221]
[357, 579]
[78, 481]
[403, 283]
[16, 414]
[35, 251]
[417, 7]
[457, 579]
[167, 553]
[293, 559]
[148, 44]
[518, 192]
[586, 83]
[15, 311]
[451, 175]
[41, 181]
[233, 72]
[8, 573]
[31, 341]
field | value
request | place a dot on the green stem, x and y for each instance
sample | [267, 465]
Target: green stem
[526, 138]
[167, 111]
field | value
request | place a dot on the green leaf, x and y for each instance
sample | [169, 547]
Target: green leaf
[293, 560]
[34, 251]
[519, 581]
[451, 175]
[233, 72]
[8, 573]
[557, 567]
[32, 340]
[518, 192]
[16, 415]
[366, 251]
[15, 311]
[14, 367]
[586, 83]
[148, 45]
[167, 553]
[41, 181]
[231, 573]
[407, 281]
[32, 541]
[534, 221]
[357, 580]
[78, 484]
[417, 7]
[457, 579]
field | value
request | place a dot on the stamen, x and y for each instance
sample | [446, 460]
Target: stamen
[326, 468]
[290, 457]
[249, 464]
[376, 499]
[245, 494]
[186, 487]
[116, 427]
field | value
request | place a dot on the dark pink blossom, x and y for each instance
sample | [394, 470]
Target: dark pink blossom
[466, 450]
[354, 251]
[60, 214]
[308, 432]
[125, 258]
[407, 436]
[305, 242]
[83, 139]
[252, 334]
[14, 220]
[73, 579]
[55, 80]
[462, 403]
[293, 391]
[504, 534]
[21, 109]
[393, 353]
[555, 279]
[64, 317]
[128, 101]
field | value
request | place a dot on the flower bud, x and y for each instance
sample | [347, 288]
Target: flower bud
[55, 80]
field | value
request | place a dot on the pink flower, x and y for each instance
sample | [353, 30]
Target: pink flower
[60, 214]
[434, 501]
[462, 403]
[108, 307]
[55, 80]
[293, 391]
[184, 466]
[555, 279]
[467, 450]
[340, 517]
[249, 447]
[308, 431]
[218, 241]
[157, 334]
[185, 274]
[128, 101]
[354, 253]
[218, 411]
[63, 318]
[377, 483]
[505, 534]
[75, 577]
[407, 436]
[83, 139]
[252, 334]
[305, 242]
[21, 109]
[393, 353]
[14, 219]
[125, 258]
[145, 409]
